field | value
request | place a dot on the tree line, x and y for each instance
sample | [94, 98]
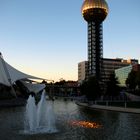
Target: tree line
[93, 89]
[133, 82]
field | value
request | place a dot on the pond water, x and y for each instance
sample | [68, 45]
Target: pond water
[73, 123]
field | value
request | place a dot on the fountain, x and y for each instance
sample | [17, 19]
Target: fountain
[39, 118]
[30, 121]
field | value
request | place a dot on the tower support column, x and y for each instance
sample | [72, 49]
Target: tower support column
[95, 49]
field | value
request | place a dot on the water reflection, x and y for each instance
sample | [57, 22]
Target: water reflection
[85, 124]
[74, 123]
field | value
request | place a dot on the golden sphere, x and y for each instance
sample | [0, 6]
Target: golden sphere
[94, 10]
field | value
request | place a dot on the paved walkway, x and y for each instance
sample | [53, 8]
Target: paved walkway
[109, 108]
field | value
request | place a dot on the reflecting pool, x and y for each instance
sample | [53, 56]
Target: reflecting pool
[73, 123]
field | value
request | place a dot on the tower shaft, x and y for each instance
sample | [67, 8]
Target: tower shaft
[95, 48]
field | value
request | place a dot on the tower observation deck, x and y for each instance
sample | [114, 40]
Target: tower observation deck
[95, 12]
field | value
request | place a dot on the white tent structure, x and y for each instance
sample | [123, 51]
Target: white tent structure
[34, 87]
[9, 75]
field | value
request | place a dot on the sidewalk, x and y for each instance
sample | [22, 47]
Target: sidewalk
[109, 108]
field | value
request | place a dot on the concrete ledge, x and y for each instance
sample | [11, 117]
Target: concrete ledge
[109, 108]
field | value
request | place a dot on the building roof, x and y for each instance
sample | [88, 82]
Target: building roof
[8, 74]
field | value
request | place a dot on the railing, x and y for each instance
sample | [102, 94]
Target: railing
[125, 104]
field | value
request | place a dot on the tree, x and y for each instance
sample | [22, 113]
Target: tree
[138, 79]
[112, 86]
[91, 88]
[131, 81]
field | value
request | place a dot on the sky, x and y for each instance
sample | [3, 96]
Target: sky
[48, 38]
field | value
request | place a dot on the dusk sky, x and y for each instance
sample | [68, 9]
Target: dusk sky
[48, 38]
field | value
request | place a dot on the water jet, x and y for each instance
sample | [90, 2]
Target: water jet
[39, 118]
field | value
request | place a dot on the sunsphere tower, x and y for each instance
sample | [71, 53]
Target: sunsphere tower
[95, 12]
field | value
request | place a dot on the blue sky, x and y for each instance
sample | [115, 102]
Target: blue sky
[47, 39]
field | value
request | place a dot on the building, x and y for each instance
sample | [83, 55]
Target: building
[109, 66]
[122, 73]
[82, 71]
[95, 12]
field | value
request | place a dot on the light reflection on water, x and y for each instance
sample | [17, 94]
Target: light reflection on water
[71, 123]
[85, 124]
